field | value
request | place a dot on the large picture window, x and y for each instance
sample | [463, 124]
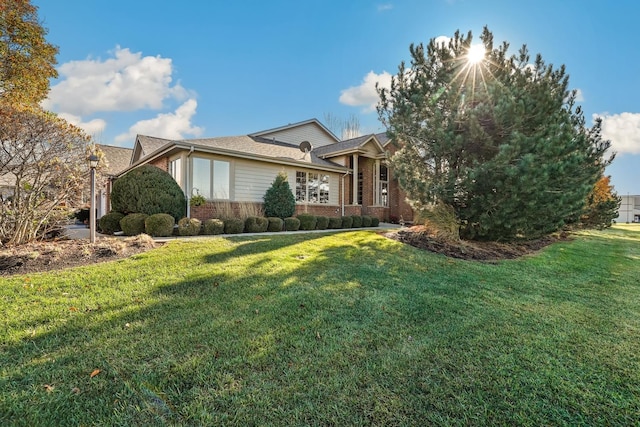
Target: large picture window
[210, 178]
[312, 187]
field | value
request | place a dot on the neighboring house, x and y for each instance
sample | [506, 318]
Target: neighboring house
[116, 159]
[328, 176]
[629, 210]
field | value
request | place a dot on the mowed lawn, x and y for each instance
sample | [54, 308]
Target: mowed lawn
[336, 329]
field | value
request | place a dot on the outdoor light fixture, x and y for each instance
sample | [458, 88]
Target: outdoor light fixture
[93, 163]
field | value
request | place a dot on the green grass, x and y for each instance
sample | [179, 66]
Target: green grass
[327, 329]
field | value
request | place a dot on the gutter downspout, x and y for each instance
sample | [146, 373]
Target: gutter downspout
[187, 171]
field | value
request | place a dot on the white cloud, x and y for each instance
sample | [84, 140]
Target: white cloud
[176, 125]
[623, 130]
[365, 94]
[384, 7]
[92, 127]
[125, 82]
[442, 41]
[579, 95]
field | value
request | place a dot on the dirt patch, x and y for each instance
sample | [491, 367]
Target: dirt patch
[424, 238]
[59, 254]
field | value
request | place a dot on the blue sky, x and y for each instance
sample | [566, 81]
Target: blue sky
[215, 68]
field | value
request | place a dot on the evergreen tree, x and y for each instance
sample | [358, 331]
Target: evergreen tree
[279, 200]
[498, 139]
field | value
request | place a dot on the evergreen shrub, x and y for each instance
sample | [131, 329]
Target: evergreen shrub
[357, 221]
[110, 223]
[189, 226]
[133, 224]
[233, 225]
[291, 224]
[347, 221]
[256, 224]
[307, 221]
[275, 224]
[375, 221]
[279, 200]
[322, 222]
[366, 221]
[213, 226]
[335, 222]
[159, 225]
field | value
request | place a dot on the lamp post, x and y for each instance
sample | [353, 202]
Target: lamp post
[93, 163]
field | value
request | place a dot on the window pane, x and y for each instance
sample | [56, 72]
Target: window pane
[314, 184]
[301, 186]
[324, 188]
[221, 180]
[201, 177]
[175, 169]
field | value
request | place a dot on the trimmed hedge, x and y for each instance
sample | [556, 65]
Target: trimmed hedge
[275, 224]
[366, 221]
[291, 224]
[256, 224]
[133, 224]
[213, 226]
[233, 225]
[357, 221]
[110, 223]
[189, 226]
[159, 225]
[375, 221]
[307, 221]
[322, 222]
[335, 222]
[347, 221]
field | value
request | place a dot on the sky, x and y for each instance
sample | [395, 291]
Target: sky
[207, 68]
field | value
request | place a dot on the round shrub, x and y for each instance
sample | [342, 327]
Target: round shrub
[322, 222]
[357, 221]
[347, 221]
[291, 224]
[213, 226]
[189, 226]
[307, 221]
[366, 221]
[279, 200]
[159, 225]
[335, 222]
[110, 223]
[233, 225]
[150, 190]
[133, 224]
[256, 224]
[275, 224]
[375, 221]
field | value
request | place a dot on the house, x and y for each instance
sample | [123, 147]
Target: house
[629, 209]
[329, 176]
[116, 159]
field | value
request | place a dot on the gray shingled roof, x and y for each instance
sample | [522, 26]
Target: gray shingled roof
[118, 159]
[150, 144]
[383, 138]
[349, 144]
[252, 145]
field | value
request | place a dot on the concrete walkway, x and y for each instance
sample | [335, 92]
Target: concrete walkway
[81, 231]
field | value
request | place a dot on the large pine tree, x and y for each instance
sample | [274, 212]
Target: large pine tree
[499, 139]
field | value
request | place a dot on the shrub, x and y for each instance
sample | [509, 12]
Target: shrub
[159, 225]
[133, 224]
[279, 200]
[366, 221]
[375, 221]
[275, 224]
[357, 221]
[322, 222]
[291, 224]
[335, 222]
[307, 221]
[213, 226]
[256, 224]
[233, 225]
[150, 190]
[82, 215]
[347, 221]
[110, 223]
[189, 226]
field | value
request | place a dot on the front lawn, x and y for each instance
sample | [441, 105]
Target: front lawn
[327, 329]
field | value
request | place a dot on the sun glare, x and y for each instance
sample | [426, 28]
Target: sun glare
[475, 54]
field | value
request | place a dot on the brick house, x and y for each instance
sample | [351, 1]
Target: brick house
[328, 176]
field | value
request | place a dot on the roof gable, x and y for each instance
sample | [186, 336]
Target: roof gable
[145, 145]
[310, 130]
[366, 144]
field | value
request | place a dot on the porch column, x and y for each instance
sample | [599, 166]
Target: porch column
[376, 183]
[355, 180]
